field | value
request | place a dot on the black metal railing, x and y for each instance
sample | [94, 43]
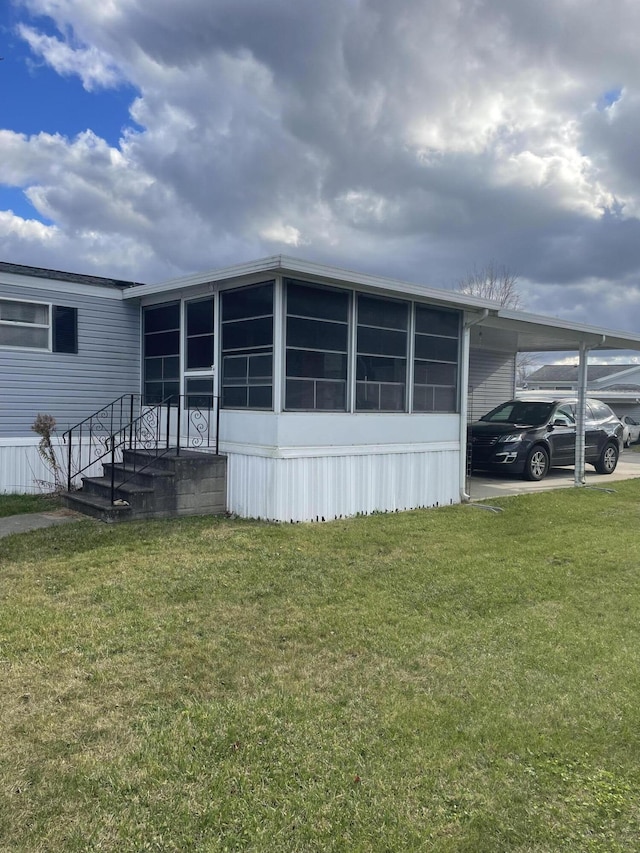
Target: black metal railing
[89, 440]
[177, 423]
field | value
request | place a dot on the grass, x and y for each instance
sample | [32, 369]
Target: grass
[447, 680]
[17, 504]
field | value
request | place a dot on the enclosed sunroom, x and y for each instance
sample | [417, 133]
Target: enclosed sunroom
[337, 394]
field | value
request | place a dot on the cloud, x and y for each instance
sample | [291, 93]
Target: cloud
[93, 67]
[415, 139]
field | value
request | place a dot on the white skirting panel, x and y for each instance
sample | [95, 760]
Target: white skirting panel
[326, 487]
[23, 471]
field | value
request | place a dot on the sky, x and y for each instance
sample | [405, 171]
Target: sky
[417, 139]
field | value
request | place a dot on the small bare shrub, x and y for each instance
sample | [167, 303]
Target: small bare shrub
[45, 427]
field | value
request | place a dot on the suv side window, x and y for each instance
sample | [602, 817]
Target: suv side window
[565, 413]
[600, 411]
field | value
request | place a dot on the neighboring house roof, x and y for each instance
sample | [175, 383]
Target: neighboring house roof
[569, 372]
[58, 275]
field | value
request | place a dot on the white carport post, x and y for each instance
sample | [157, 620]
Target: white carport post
[579, 477]
[464, 398]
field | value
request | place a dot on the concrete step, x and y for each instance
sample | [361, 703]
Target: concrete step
[189, 483]
[148, 478]
[97, 507]
[138, 497]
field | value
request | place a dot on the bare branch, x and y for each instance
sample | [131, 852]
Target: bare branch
[492, 282]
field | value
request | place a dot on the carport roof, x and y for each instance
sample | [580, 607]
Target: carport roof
[538, 333]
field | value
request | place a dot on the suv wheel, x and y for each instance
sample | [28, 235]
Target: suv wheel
[537, 464]
[608, 459]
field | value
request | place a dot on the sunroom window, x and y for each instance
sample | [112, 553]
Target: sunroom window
[435, 366]
[381, 358]
[317, 345]
[161, 328]
[247, 347]
[199, 333]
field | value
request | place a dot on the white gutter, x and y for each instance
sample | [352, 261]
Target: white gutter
[465, 497]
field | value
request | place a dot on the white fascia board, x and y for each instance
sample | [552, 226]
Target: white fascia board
[288, 266]
[594, 336]
[264, 266]
[50, 285]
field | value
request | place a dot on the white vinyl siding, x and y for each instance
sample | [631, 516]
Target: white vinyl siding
[491, 381]
[70, 386]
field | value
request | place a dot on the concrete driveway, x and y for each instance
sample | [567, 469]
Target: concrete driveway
[485, 486]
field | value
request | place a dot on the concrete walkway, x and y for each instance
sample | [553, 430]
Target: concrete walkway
[483, 486]
[36, 520]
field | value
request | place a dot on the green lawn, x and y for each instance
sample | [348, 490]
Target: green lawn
[445, 680]
[17, 504]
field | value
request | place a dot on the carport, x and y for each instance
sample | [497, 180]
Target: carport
[519, 332]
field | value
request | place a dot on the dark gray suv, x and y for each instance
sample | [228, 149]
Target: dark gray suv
[528, 437]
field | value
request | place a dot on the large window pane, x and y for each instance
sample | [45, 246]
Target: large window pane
[24, 312]
[256, 301]
[241, 334]
[382, 313]
[247, 347]
[381, 360]
[381, 341]
[24, 324]
[199, 333]
[434, 321]
[316, 334]
[162, 317]
[199, 314]
[200, 352]
[436, 348]
[317, 339]
[326, 303]
[162, 343]
[317, 365]
[24, 336]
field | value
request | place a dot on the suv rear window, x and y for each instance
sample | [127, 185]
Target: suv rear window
[599, 410]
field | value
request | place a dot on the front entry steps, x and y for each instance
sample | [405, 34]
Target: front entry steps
[192, 483]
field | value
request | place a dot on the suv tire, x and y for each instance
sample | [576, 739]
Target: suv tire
[608, 460]
[537, 464]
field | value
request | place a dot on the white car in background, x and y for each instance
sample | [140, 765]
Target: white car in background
[631, 430]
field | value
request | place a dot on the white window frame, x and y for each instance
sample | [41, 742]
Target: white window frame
[25, 325]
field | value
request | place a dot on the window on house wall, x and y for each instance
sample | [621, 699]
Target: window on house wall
[247, 347]
[317, 336]
[161, 333]
[381, 357]
[435, 367]
[199, 322]
[27, 325]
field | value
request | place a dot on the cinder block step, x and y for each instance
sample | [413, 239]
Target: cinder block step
[188, 483]
[97, 507]
[148, 477]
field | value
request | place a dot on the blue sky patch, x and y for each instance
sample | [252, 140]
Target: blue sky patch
[64, 106]
[609, 98]
[13, 198]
